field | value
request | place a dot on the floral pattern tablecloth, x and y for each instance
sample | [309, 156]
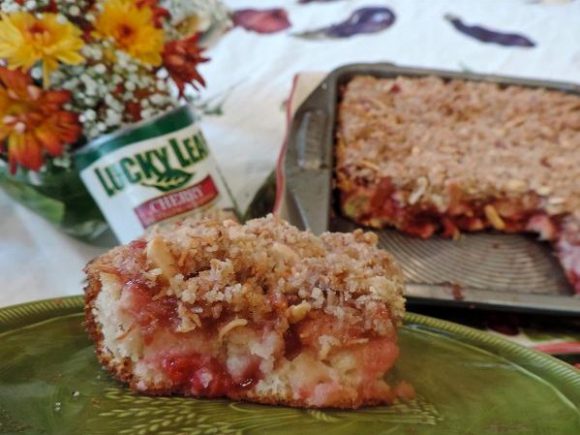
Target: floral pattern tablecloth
[250, 77]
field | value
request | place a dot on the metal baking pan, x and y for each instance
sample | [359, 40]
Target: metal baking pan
[481, 269]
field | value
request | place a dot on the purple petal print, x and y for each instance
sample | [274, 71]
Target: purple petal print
[262, 20]
[490, 36]
[363, 20]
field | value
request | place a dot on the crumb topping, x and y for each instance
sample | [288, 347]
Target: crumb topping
[426, 135]
[266, 267]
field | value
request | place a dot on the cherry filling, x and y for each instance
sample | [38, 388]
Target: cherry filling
[149, 314]
[568, 248]
[206, 376]
[574, 278]
[202, 375]
[377, 356]
[292, 343]
[198, 373]
[138, 245]
[514, 216]
[423, 221]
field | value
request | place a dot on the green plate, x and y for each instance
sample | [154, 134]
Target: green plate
[467, 382]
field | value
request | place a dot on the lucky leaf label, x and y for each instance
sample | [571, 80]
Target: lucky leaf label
[171, 179]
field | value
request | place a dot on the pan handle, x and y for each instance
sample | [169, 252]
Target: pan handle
[308, 164]
[309, 137]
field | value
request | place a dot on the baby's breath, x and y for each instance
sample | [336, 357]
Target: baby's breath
[102, 90]
[9, 6]
[73, 8]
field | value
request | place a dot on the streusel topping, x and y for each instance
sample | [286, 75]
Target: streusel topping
[216, 267]
[425, 134]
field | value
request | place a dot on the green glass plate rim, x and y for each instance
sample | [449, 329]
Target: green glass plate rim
[560, 374]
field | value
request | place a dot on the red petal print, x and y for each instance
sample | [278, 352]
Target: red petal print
[262, 21]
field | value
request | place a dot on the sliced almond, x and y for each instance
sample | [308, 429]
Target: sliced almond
[236, 323]
[298, 312]
[516, 185]
[188, 320]
[370, 165]
[544, 190]
[358, 341]
[285, 252]
[182, 258]
[493, 217]
[160, 256]
[439, 202]
[327, 342]
[419, 191]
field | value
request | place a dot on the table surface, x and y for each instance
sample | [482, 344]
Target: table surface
[249, 79]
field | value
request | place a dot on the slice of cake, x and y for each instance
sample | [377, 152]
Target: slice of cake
[430, 156]
[260, 312]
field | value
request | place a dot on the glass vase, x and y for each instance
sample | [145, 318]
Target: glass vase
[58, 195]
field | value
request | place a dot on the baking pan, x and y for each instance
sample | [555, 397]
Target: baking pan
[482, 269]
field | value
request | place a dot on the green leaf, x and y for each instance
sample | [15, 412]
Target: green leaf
[170, 180]
[47, 207]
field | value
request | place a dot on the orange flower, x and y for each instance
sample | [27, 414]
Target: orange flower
[181, 59]
[32, 121]
[159, 13]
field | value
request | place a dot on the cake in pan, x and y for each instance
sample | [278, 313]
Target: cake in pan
[260, 312]
[427, 156]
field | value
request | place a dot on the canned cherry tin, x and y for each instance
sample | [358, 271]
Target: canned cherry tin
[152, 172]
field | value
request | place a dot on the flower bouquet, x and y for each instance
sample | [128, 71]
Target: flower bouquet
[72, 71]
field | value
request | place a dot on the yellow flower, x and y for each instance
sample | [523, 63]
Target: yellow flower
[25, 40]
[133, 29]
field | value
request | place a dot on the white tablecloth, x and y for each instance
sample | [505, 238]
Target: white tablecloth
[252, 74]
